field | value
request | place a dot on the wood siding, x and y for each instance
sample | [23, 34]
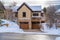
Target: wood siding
[24, 25]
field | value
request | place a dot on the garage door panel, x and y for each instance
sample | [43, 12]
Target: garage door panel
[24, 25]
[35, 25]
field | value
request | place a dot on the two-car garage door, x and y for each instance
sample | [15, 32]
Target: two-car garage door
[24, 25]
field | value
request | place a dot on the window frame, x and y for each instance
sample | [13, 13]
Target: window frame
[35, 14]
[42, 14]
[24, 14]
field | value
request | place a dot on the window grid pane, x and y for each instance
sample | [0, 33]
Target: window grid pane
[24, 14]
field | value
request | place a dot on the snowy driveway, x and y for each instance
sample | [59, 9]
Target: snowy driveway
[19, 36]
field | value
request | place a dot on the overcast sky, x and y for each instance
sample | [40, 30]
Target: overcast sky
[33, 2]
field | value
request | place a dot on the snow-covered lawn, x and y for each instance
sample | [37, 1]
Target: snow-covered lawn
[52, 30]
[12, 27]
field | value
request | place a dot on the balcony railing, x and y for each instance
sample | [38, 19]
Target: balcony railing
[38, 18]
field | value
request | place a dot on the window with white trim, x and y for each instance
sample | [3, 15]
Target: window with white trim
[36, 14]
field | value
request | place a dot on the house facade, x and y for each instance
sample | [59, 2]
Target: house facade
[30, 17]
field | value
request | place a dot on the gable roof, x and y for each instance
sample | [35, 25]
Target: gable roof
[32, 8]
[1, 6]
[25, 5]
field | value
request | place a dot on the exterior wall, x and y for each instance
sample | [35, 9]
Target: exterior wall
[24, 9]
[1, 15]
[39, 17]
[28, 15]
[43, 18]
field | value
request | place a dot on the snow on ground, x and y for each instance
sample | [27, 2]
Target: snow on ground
[12, 27]
[52, 30]
[58, 38]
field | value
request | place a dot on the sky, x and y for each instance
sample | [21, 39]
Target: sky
[33, 2]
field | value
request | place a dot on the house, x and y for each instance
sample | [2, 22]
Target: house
[30, 17]
[2, 9]
[6, 13]
[58, 17]
[9, 14]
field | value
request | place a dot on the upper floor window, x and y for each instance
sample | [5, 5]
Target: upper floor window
[42, 14]
[1, 11]
[35, 14]
[24, 14]
[16, 14]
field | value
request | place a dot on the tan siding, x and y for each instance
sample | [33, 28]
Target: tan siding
[24, 9]
[28, 15]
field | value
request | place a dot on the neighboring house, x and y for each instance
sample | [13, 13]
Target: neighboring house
[30, 17]
[58, 17]
[9, 15]
[6, 13]
[2, 9]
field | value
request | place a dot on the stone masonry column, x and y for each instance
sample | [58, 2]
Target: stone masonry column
[30, 25]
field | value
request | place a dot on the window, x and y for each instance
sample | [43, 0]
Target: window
[16, 14]
[35, 14]
[42, 14]
[24, 14]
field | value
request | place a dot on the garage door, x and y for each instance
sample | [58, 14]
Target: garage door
[35, 25]
[24, 25]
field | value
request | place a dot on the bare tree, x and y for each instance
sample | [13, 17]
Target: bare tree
[13, 4]
[50, 12]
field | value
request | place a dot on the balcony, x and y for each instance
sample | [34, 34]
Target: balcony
[38, 18]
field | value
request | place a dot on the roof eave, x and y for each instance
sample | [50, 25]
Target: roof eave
[25, 5]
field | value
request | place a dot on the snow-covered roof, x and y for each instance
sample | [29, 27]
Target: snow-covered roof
[14, 9]
[58, 11]
[33, 8]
